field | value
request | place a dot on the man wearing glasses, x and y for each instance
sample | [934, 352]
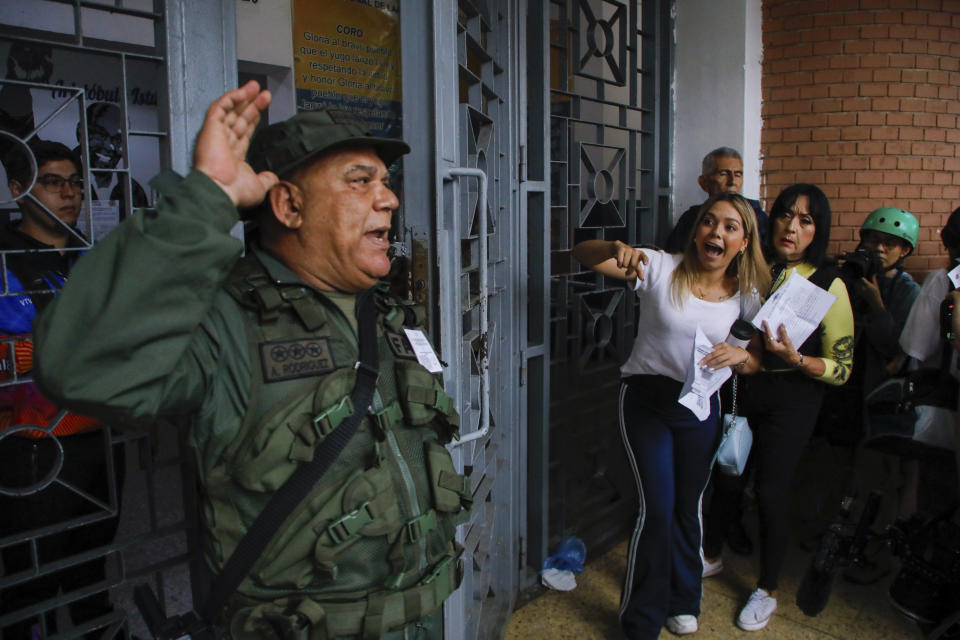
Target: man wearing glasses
[47, 207]
[720, 172]
[51, 206]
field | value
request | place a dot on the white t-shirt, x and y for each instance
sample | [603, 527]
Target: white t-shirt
[665, 333]
[920, 338]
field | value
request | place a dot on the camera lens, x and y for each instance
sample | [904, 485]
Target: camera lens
[860, 264]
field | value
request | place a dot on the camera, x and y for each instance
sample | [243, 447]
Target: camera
[860, 264]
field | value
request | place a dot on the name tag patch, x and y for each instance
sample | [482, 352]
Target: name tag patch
[400, 345]
[301, 358]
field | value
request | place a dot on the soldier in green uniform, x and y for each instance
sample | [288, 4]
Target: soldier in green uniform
[256, 355]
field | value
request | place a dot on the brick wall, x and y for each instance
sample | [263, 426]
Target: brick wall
[860, 97]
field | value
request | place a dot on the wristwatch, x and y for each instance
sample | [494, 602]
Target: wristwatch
[798, 363]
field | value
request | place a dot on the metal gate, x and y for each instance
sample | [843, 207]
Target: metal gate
[104, 510]
[541, 124]
[609, 179]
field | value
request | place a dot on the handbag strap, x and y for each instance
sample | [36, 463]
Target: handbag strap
[736, 377]
[733, 400]
[303, 480]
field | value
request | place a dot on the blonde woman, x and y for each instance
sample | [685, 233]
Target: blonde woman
[670, 449]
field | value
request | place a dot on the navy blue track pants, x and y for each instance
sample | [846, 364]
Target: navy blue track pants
[670, 452]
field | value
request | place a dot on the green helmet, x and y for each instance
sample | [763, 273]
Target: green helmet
[896, 222]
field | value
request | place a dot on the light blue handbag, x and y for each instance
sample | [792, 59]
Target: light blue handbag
[737, 439]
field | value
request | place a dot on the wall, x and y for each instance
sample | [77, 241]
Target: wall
[265, 49]
[860, 98]
[716, 91]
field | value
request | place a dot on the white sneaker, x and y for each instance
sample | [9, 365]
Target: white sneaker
[712, 568]
[756, 614]
[682, 624]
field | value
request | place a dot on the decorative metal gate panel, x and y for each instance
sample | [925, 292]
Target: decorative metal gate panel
[92, 74]
[606, 182]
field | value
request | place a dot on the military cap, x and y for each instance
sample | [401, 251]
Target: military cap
[288, 145]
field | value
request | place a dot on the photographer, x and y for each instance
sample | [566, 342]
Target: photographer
[882, 294]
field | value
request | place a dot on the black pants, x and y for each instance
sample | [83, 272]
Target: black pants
[26, 461]
[782, 410]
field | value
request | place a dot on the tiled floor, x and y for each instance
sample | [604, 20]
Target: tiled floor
[590, 611]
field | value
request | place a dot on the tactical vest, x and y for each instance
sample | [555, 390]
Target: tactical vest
[372, 547]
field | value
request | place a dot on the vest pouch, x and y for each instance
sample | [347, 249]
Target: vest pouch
[276, 620]
[450, 490]
[272, 456]
[288, 560]
[336, 388]
[367, 507]
[288, 626]
[307, 550]
[287, 437]
[256, 622]
[424, 401]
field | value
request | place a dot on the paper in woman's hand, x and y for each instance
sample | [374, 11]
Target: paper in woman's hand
[702, 382]
[799, 305]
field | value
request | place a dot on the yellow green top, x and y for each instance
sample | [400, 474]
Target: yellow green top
[836, 340]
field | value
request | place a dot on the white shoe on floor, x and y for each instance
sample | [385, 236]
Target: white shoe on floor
[756, 613]
[682, 624]
[712, 568]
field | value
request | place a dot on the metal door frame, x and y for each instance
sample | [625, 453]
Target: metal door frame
[436, 184]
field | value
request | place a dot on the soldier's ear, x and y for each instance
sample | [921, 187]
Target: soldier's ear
[286, 200]
[15, 187]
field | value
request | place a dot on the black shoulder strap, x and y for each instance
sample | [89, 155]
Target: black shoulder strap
[824, 276]
[299, 485]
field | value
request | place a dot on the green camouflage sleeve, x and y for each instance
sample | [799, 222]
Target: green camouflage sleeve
[126, 338]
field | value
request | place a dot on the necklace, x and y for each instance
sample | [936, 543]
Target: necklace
[702, 296]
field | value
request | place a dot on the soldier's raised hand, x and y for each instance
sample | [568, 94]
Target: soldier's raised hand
[222, 143]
